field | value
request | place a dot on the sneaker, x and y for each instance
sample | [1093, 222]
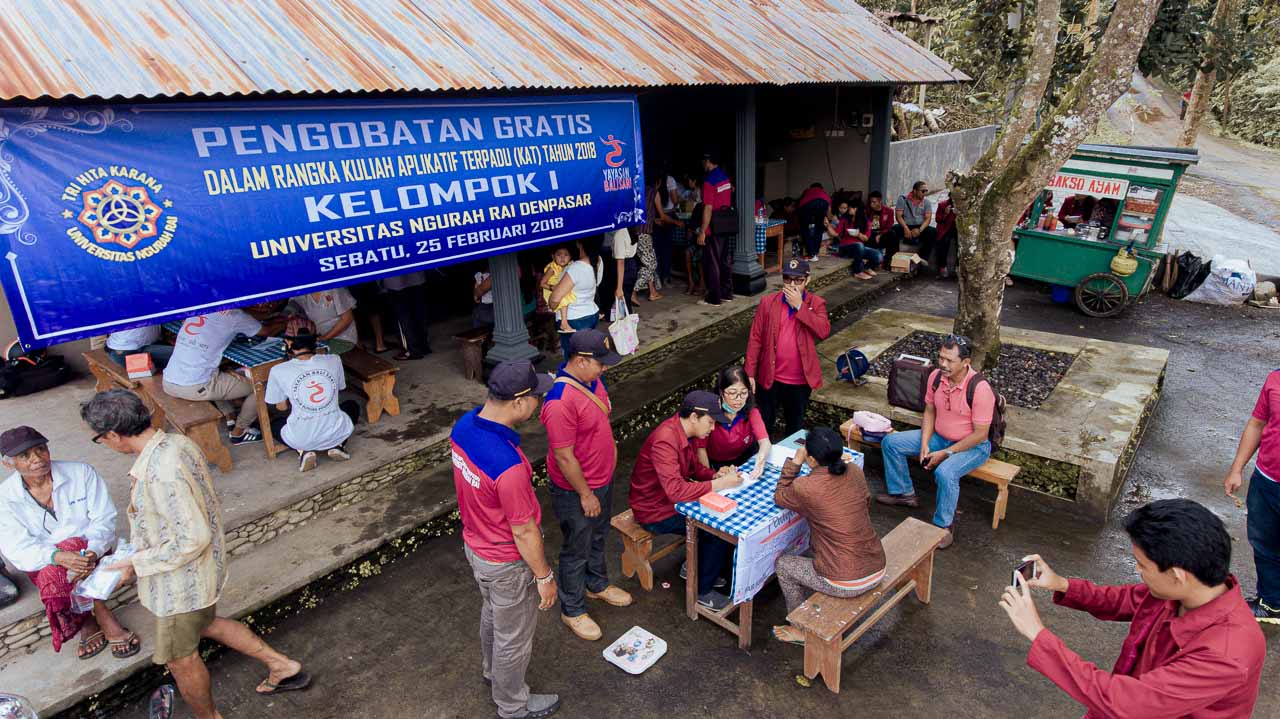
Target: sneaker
[306, 461]
[612, 595]
[720, 583]
[814, 258]
[339, 453]
[715, 601]
[584, 626]
[250, 435]
[898, 500]
[539, 706]
[704, 303]
[1263, 612]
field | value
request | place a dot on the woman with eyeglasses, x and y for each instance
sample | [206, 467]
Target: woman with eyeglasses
[56, 522]
[744, 435]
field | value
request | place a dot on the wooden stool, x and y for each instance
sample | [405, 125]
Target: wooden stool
[471, 343]
[637, 548]
[377, 378]
[107, 372]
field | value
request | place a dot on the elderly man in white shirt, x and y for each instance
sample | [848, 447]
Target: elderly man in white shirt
[56, 522]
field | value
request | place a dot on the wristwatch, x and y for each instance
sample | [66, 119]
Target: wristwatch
[949, 452]
[551, 577]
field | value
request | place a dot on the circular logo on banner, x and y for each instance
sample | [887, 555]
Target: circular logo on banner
[120, 214]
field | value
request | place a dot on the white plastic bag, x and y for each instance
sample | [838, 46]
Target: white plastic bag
[625, 328]
[102, 583]
[1230, 282]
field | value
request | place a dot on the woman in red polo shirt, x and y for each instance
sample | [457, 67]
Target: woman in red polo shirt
[745, 435]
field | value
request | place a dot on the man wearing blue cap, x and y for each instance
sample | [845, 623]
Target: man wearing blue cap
[502, 532]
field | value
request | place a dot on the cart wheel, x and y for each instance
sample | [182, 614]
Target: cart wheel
[1101, 294]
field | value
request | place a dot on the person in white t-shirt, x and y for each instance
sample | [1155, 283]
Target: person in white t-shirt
[307, 387]
[138, 340]
[482, 295]
[193, 374]
[331, 311]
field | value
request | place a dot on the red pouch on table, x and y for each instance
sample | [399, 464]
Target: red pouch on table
[139, 365]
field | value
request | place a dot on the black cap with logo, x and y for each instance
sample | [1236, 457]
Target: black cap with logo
[511, 380]
[795, 267]
[706, 403]
[595, 344]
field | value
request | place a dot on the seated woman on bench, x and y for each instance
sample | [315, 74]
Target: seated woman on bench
[307, 386]
[848, 559]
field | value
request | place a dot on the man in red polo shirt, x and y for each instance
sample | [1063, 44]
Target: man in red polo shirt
[1262, 436]
[717, 263]
[581, 457]
[1193, 648]
[668, 472]
[501, 528]
[782, 351]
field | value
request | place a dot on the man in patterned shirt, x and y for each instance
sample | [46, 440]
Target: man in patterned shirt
[175, 524]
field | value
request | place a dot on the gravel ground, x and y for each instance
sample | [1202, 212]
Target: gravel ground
[1025, 376]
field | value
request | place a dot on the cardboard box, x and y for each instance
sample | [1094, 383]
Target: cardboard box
[718, 504]
[905, 262]
[139, 365]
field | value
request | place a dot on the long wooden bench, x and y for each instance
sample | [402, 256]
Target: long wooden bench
[993, 471]
[637, 548]
[831, 624]
[199, 421]
[377, 378]
[105, 370]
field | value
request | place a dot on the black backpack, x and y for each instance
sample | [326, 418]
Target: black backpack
[32, 372]
[996, 432]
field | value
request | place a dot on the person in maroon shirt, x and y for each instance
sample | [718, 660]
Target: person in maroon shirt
[874, 224]
[1193, 649]
[1076, 210]
[782, 351]
[668, 472]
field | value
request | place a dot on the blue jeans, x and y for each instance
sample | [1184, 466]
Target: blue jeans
[897, 446]
[160, 354]
[712, 550]
[861, 256]
[582, 567]
[1264, 535]
[582, 323]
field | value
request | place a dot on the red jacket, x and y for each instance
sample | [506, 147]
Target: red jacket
[762, 346]
[661, 476]
[1204, 664]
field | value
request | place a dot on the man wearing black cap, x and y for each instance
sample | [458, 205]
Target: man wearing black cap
[717, 194]
[581, 457]
[782, 351]
[502, 532]
[668, 472]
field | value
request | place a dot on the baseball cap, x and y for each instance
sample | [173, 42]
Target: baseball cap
[795, 267]
[19, 439]
[517, 378]
[706, 402]
[594, 343]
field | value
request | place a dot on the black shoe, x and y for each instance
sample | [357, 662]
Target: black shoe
[540, 706]
[898, 500]
[1263, 612]
[250, 435]
[719, 583]
[8, 591]
[715, 601]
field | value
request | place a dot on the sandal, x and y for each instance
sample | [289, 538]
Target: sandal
[782, 632]
[127, 647]
[85, 652]
[405, 357]
[297, 682]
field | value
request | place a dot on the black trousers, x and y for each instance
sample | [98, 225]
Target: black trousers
[410, 307]
[791, 399]
[927, 241]
[717, 264]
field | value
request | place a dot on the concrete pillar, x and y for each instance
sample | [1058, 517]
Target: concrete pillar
[748, 275]
[881, 134]
[510, 336]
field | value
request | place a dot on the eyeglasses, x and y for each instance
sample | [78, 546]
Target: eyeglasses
[736, 393]
[957, 340]
[97, 438]
[794, 280]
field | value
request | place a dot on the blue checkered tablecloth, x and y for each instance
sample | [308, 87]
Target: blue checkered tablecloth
[248, 353]
[680, 239]
[755, 502]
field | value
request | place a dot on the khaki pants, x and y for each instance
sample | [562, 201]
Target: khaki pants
[221, 386]
[508, 616]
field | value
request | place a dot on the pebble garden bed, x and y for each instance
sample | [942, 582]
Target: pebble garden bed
[1024, 375]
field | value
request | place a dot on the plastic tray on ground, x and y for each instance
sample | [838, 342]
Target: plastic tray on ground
[635, 651]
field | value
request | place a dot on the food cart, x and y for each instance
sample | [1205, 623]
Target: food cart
[1126, 192]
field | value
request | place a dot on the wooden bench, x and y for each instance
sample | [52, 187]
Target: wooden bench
[377, 378]
[993, 472]
[831, 624]
[472, 343]
[637, 548]
[105, 370]
[199, 421]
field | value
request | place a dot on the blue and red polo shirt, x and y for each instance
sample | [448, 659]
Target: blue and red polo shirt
[494, 482]
[727, 442]
[573, 420]
[717, 190]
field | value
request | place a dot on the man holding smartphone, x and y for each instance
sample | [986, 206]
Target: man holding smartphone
[1193, 648]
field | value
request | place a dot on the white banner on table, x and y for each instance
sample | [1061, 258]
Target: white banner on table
[788, 533]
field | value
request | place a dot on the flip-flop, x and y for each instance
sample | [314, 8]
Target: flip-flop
[297, 682]
[86, 642]
[127, 647]
[797, 642]
[161, 704]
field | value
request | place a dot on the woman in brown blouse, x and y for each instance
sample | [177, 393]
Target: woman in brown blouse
[847, 559]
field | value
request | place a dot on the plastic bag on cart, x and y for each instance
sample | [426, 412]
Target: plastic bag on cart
[1191, 272]
[1230, 282]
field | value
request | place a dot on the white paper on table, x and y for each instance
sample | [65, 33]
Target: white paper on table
[778, 454]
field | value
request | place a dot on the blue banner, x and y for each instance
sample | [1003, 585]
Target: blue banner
[127, 215]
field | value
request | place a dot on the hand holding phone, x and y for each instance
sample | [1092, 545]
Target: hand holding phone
[1027, 570]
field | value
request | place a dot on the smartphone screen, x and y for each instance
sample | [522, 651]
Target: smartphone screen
[1026, 569]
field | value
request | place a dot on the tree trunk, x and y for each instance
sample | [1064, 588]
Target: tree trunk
[990, 199]
[1202, 88]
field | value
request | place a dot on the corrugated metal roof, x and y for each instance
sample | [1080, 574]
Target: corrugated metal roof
[157, 48]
